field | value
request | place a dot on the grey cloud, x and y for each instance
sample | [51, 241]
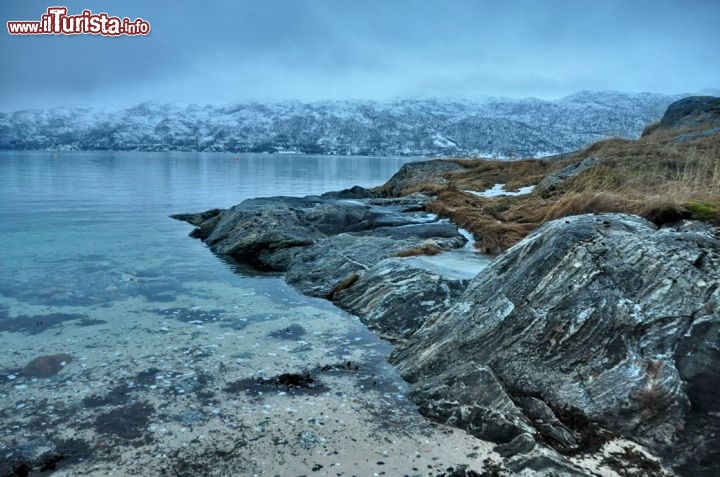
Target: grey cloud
[228, 51]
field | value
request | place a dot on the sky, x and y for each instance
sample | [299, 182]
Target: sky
[219, 52]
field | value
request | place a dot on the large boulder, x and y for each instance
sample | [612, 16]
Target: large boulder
[261, 231]
[418, 176]
[603, 320]
[395, 297]
[692, 112]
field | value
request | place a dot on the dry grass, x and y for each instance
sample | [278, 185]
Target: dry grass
[427, 249]
[343, 285]
[651, 172]
[650, 128]
[653, 177]
[482, 175]
[604, 148]
[484, 218]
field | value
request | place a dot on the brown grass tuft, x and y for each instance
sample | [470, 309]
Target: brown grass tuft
[650, 128]
[587, 203]
[481, 175]
[427, 249]
[343, 285]
[653, 177]
[656, 177]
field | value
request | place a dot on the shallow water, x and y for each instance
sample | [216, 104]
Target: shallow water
[159, 350]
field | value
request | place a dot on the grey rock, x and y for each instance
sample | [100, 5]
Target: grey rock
[469, 396]
[444, 234]
[257, 229]
[205, 222]
[546, 422]
[524, 454]
[316, 270]
[407, 203]
[331, 246]
[604, 315]
[355, 192]
[204, 230]
[696, 135]
[698, 362]
[395, 298]
[545, 463]
[554, 181]
[692, 111]
[199, 218]
[697, 357]
[523, 443]
[414, 175]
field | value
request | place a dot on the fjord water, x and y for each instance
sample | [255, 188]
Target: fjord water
[74, 221]
[153, 346]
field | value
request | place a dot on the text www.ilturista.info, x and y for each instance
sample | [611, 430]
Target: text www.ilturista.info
[57, 22]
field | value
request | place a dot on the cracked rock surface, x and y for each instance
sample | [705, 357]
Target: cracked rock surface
[603, 320]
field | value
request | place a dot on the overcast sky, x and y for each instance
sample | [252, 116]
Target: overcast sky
[235, 50]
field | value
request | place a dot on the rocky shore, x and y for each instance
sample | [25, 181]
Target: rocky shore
[348, 246]
[592, 330]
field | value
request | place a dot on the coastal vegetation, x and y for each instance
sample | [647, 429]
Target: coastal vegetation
[670, 173]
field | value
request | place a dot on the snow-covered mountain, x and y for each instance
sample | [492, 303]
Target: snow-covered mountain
[445, 127]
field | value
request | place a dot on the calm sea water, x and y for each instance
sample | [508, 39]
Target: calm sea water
[152, 345]
[73, 221]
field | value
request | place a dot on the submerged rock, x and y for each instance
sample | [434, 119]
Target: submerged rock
[46, 366]
[604, 318]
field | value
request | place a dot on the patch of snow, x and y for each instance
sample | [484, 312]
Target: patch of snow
[499, 190]
[441, 141]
